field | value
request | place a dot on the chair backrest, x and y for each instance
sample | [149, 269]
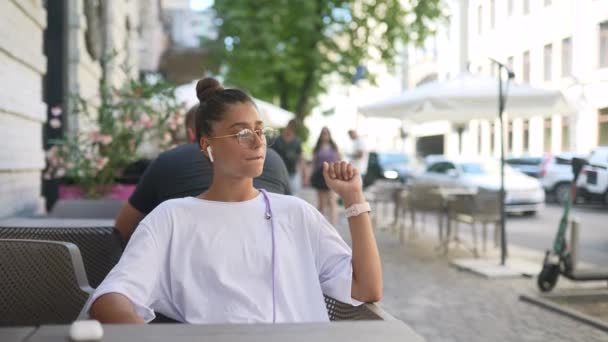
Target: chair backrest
[425, 197]
[101, 247]
[339, 311]
[484, 205]
[86, 208]
[42, 282]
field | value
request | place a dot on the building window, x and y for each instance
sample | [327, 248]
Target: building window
[492, 14]
[604, 44]
[479, 19]
[510, 8]
[547, 135]
[510, 62]
[526, 6]
[548, 59]
[526, 66]
[602, 134]
[526, 135]
[566, 57]
[565, 134]
[548, 2]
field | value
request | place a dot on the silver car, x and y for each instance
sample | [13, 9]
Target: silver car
[524, 194]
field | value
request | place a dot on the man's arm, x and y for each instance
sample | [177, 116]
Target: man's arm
[115, 308]
[127, 220]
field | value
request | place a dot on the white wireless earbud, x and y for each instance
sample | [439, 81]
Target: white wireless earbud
[210, 153]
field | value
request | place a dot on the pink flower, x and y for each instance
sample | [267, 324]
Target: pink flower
[94, 135]
[105, 139]
[101, 163]
[167, 137]
[173, 126]
[56, 110]
[128, 123]
[146, 121]
[60, 172]
[89, 156]
[55, 123]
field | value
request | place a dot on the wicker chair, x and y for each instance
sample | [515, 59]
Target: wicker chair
[101, 247]
[43, 282]
[339, 311]
[424, 199]
[483, 207]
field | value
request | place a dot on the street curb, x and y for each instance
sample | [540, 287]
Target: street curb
[583, 318]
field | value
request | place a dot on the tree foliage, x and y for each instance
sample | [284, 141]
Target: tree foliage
[280, 50]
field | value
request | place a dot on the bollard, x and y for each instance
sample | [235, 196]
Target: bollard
[574, 226]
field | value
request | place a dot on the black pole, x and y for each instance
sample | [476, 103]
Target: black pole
[503, 235]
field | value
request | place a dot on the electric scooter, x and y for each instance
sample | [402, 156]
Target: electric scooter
[559, 260]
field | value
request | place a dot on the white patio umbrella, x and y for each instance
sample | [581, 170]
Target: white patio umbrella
[273, 116]
[465, 98]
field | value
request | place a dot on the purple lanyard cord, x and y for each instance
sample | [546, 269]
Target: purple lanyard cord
[268, 216]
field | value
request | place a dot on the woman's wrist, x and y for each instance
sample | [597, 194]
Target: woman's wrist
[353, 198]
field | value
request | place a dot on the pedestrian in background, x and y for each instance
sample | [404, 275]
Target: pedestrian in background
[289, 147]
[358, 157]
[325, 150]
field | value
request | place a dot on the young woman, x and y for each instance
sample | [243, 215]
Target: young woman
[326, 151]
[236, 253]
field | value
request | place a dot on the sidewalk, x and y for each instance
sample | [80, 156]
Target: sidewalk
[442, 303]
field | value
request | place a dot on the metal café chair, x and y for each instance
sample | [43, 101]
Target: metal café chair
[43, 282]
[482, 207]
[426, 199]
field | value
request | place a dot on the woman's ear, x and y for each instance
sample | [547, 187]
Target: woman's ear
[206, 148]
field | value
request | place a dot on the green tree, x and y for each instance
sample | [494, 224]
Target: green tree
[282, 49]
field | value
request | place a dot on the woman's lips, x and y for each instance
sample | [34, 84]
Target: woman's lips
[256, 158]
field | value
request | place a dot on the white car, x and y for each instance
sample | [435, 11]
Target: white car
[524, 194]
[556, 175]
[592, 183]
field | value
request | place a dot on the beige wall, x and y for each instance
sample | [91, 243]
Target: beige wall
[22, 111]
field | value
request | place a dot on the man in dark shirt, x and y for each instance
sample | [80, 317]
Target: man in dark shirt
[184, 171]
[289, 147]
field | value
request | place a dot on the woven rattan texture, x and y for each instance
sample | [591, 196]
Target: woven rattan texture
[100, 247]
[38, 284]
[339, 311]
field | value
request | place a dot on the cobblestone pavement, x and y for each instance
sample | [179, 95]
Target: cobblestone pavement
[442, 303]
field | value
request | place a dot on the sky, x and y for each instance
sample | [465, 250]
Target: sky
[198, 5]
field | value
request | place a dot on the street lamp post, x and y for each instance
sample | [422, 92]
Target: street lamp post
[502, 99]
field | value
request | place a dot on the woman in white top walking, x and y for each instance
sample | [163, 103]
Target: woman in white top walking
[236, 253]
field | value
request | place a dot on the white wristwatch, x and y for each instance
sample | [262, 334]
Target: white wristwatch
[357, 209]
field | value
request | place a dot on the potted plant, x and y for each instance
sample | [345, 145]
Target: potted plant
[111, 136]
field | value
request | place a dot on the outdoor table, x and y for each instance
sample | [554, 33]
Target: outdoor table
[286, 332]
[43, 221]
[15, 334]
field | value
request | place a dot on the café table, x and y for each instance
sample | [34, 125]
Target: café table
[16, 334]
[351, 331]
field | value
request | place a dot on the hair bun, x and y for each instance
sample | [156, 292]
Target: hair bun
[207, 87]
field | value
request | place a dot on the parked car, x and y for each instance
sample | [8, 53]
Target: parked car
[592, 183]
[529, 165]
[524, 194]
[556, 175]
[389, 166]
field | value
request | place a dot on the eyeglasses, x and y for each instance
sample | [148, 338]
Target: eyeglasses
[247, 137]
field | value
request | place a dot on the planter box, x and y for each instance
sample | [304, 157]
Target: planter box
[118, 191]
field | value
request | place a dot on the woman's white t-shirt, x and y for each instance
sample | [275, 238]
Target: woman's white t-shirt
[200, 261]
